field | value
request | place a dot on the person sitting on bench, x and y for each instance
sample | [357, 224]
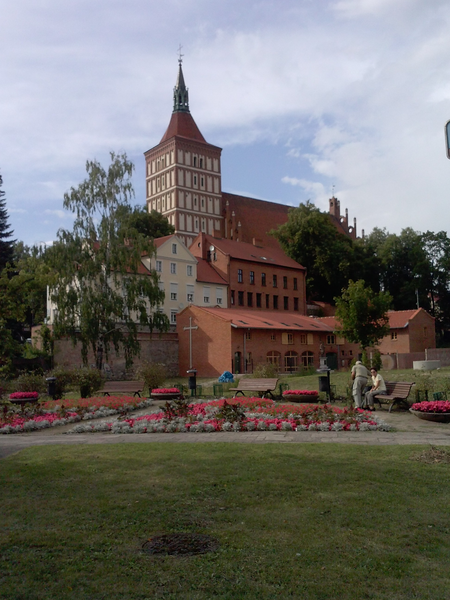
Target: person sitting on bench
[378, 387]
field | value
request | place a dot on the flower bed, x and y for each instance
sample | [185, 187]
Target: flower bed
[59, 412]
[301, 395]
[24, 396]
[437, 406]
[260, 415]
[438, 410]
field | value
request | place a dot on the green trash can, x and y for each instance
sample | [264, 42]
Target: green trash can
[217, 390]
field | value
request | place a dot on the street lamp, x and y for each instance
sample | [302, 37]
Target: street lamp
[447, 138]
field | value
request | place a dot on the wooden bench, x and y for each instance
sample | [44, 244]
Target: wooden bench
[397, 393]
[123, 387]
[264, 386]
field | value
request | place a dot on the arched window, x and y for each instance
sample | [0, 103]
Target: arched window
[291, 361]
[274, 357]
[308, 359]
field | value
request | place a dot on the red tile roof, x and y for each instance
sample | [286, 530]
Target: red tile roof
[206, 274]
[398, 319]
[183, 125]
[258, 217]
[248, 252]
[244, 319]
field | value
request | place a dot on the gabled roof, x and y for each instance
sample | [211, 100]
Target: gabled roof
[259, 216]
[248, 252]
[398, 319]
[286, 321]
[206, 274]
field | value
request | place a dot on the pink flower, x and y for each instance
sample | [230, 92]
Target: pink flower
[23, 395]
[300, 393]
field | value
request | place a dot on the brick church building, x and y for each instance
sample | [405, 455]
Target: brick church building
[184, 183]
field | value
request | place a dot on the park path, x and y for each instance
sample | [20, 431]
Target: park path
[408, 430]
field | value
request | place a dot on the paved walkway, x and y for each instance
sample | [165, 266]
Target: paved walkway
[408, 430]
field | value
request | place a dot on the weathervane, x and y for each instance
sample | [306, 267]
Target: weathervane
[180, 56]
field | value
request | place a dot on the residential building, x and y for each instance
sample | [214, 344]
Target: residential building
[259, 278]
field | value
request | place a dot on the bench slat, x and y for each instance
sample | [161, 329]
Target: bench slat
[255, 385]
[130, 387]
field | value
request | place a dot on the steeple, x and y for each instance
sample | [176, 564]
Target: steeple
[180, 91]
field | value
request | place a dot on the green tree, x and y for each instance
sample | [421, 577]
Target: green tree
[437, 248]
[102, 291]
[150, 224]
[362, 314]
[6, 243]
[310, 238]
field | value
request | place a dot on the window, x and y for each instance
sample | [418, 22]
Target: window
[295, 283]
[258, 300]
[252, 277]
[285, 282]
[190, 293]
[303, 338]
[263, 279]
[249, 299]
[331, 339]
[174, 248]
[287, 338]
[240, 276]
[309, 339]
[241, 298]
[274, 281]
[173, 317]
[174, 291]
[295, 303]
[267, 300]
[273, 357]
[206, 294]
[425, 332]
[290, 361]
[195, 179]
[219, 296]
[393, 335]
[232, 298]
[189, 270]
[159, 266]
[248, 335]
[273, 337]
[173, 268]
[275, 302]
[286, 302]
[307, 359]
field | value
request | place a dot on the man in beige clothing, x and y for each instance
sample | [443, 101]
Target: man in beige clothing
[359, 375]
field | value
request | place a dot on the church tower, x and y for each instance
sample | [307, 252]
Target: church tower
[183, 177]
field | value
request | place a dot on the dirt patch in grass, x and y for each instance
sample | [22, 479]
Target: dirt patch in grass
[433, 455]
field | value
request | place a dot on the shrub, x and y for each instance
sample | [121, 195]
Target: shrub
[89, 380]
[376, 360]
[65, 379]
[154, 374]
[30, 382]
[265, 370]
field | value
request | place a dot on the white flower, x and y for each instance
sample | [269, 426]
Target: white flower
[285, 426]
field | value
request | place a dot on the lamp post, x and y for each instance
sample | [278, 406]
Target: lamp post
[447, 138]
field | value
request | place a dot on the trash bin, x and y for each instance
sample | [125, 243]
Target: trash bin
[51, 387]
[324, 385]
[192, 379]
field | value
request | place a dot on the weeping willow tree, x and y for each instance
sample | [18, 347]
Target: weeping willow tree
[102, 292]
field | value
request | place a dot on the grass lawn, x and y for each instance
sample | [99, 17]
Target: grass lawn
[305, 521]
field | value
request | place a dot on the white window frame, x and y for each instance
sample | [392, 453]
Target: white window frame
[173, 268]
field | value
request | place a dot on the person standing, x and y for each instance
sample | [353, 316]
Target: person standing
[378, 387]
[359, 375]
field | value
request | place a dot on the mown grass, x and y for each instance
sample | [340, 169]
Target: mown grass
[293, 521]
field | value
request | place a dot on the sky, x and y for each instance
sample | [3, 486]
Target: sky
[306, 97]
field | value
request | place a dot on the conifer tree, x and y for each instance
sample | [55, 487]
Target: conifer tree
[6, 244]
